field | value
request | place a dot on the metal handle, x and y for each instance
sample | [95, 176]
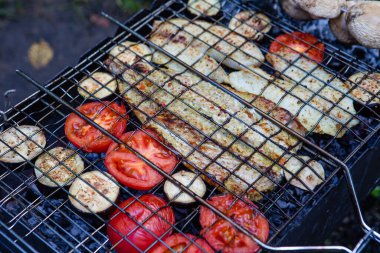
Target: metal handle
[7, 105]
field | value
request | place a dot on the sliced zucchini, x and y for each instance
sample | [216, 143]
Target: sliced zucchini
[250, 24]
[127, 54]
[60, 175]
[189, 179]
[25, 142]
[98, 86]
[203, 7]
[84, 197]
[311, 175]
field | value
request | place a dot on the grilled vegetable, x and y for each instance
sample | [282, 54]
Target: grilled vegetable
[203, 7]
[98, 86]
[367, 87]
[297, 99]
[321, 8]
[250, 24]
[107, 115]
[303, 173]
[21, 143]
[339, 28]
[222, 235]
[191, 180]
[298, 42]
[154, 215]
[307, 73]
[61, 166]
[199, 108]
[132, 171]
[230, 48]
[181, 244]
[363, 21]
[128, 54]
[93, 192]
[292, 9]
[176, 37]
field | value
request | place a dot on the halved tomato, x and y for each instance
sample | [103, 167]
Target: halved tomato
[222, 235]
[298, 42]
[179, 243]
[128, 236]
[132, 171]
[111, 116]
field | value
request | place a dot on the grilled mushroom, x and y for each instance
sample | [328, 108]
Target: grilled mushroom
[203, 7]
[301, 175]
[189, 179]
[21, 143]
[250, 24]
[84, 197]
[293, 10]
[321, 8]
[339, 28]
[363, 22]
[98, 86]
[59, 173]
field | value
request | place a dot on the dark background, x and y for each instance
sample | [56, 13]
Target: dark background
[72, 27]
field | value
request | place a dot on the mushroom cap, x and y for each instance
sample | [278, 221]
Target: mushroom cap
[321, 8]
[292, 9]
[339, 28]
[363, 22]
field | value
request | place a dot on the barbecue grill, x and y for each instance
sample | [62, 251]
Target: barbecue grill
[35, 220]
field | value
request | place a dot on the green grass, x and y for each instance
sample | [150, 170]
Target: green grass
[376, 192]
[130, 5]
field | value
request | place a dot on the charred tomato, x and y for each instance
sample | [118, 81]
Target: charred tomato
[110, 116]
[132, 171]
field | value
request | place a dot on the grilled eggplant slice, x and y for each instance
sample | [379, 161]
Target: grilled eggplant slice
[191, 180]
[303, 173]
[203, 7]
[298, 100]
[128, 54]
[21, 143]
[84, 197]
[367, 87]
[250, 24]
[98, 86]
[58, 174]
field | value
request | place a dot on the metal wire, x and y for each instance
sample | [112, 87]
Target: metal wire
[61, 94]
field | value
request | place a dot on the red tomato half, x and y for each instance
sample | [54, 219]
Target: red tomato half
[133, 172]
[82, 135]
[299, 42]
[122, 225]
[179, 243]
[222, 235]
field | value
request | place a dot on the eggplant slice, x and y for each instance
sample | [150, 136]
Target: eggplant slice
[21, 143]
[84, 197]
[55, 164]
[189, 179]
[98, 86]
